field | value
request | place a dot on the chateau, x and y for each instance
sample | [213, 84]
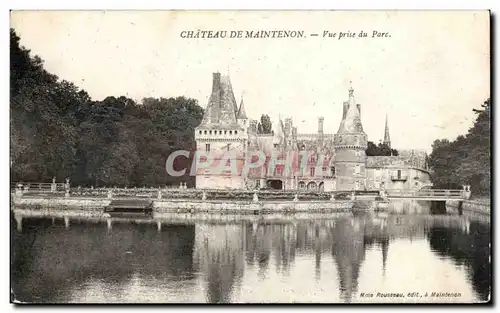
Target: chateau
[333, 161]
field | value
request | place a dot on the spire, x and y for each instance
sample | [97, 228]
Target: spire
[387, 138]
[241, 111]
[352, 121]
[351, 90]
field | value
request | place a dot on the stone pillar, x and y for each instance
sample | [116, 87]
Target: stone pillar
[53, 186]
[158, 226]
[108, 221]
[67, 193]
[204, 196]
[255, 197]
[468, 192]
[19, 190]
[296, 198]
[180, 185]
[110, 194]
[66, 222]
[66, 185]
[159, 194]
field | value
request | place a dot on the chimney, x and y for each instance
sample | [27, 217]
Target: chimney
[320, 129]
[344, 109]
[321, 119]
[288, 126]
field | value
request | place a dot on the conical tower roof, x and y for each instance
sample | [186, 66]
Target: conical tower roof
[221, 107]
[241, 111]
[352, 121]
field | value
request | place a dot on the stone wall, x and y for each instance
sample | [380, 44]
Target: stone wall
[183, 205]
[481, 206]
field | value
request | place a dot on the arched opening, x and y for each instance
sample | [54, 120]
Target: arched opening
[321, 186]
[275, 184]
[302, 185]
[312, 186]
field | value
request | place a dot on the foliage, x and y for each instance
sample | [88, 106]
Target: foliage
[265, 125]
[381, 150]
[58, 131]
[466, 160]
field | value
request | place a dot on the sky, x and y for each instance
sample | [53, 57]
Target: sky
[427, 76]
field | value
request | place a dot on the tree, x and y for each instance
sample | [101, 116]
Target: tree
[57, 130]
[466, 159]
[380, 150]
[265, 126]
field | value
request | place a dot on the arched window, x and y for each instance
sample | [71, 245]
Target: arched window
[312, 186]
[230, 132]
[236, 132]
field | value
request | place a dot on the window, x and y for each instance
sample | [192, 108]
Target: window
[220, 132]
[357, 169]
[207, 147]
[199, 132]
[278, 171]
[276, 145]
[225, 132]
[230, 132]
[312, 171]
[332, 171]
[236, 132]
[399, 173]
[324, 171]
[210, 132]
[227, 147]
[205, 132]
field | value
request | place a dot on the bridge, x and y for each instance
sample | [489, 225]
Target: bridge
[428, 194]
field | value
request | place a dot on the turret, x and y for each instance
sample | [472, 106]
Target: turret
[221, 134]
[242, 116]
[350, 144]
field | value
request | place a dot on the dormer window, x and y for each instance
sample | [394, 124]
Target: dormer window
[236, 132]
[205, 132]
[210, 132]
[225, 132]
[199, 132]
[230, 132]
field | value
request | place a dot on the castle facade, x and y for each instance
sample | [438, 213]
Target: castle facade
[294, 161]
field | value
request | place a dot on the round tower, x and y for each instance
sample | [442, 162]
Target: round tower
[350, 145]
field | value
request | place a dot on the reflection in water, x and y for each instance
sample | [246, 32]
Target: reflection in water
[319, 260]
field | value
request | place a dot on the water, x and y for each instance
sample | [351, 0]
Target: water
[317, 259]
